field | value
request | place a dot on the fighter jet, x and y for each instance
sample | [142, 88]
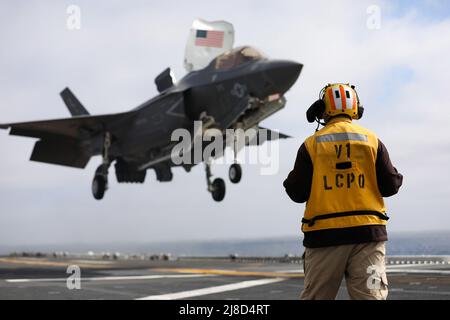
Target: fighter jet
[237, 89]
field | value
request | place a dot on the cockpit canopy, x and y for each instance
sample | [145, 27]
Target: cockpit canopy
[235, 57]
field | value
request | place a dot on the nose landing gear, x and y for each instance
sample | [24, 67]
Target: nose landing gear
[216, 187]
[235, 173]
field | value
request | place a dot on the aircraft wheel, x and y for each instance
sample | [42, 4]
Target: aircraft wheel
[218, 189]
[235, 173]
[99, 185]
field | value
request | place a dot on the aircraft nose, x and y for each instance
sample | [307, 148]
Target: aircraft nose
[282, 74]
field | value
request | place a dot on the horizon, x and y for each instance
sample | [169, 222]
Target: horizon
[85, 246]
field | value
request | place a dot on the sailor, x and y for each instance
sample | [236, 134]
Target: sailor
[343, 172]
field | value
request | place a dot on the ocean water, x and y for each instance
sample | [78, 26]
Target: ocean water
[400, 243]
[406, 243]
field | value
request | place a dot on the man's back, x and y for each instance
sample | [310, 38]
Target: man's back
[342, 172]
[344, 192]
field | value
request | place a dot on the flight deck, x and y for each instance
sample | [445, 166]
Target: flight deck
[192, 278]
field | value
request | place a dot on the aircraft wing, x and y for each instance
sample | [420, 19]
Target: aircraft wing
[275, 135]
[62, 141]
[75, 128]
[269, 135]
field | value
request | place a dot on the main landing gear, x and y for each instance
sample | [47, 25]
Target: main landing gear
[100, 182]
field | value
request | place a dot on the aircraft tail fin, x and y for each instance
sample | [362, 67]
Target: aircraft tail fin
[73, 104]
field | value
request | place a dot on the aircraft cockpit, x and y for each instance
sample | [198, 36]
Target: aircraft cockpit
[236, 57]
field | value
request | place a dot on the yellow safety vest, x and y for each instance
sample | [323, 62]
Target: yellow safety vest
[344, 190]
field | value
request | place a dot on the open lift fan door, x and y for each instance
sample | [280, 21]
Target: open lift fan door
[206, 41]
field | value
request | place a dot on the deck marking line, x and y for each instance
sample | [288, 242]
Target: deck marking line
[212, 290]
[114, 278]
[233, 272]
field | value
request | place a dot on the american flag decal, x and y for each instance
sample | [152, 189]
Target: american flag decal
[206, 38]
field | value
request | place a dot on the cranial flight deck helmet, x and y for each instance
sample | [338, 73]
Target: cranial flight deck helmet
[336, 99]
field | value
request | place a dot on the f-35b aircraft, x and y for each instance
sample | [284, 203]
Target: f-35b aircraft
[234, 90]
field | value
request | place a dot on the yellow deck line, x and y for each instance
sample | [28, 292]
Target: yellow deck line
[232, 272]
[36, 262]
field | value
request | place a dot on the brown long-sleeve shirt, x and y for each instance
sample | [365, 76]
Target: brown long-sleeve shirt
[298, 187]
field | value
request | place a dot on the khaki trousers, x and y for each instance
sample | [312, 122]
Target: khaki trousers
[362, 265]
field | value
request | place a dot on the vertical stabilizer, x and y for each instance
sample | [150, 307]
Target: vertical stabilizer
[73, 104]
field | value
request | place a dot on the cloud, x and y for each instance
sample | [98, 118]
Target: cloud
[399, 70]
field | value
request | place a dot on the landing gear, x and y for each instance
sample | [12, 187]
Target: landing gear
[235, 173]
[217, 187]
[100, 182]
[99, 187]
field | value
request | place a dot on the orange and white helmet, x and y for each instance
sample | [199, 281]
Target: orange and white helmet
[339, 99]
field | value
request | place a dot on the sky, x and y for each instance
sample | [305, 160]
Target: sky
[400, 68]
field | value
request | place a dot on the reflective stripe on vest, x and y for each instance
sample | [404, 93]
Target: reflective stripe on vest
[344, 136]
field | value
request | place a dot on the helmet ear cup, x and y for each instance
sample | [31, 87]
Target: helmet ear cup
[315, 111]
[360, 112]
[360, 107]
